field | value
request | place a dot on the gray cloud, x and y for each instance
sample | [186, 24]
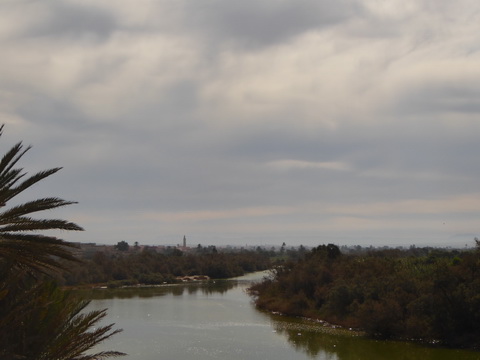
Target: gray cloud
[350, 121]
[251, 24]
[460, 98]
[64, 19]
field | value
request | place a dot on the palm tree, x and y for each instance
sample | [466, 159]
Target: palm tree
[57, 327]
[38, 320]
[18, 245]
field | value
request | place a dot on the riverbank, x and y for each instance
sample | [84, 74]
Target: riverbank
[254, 276]
[144, 267]
[216, 319]
[389, 295]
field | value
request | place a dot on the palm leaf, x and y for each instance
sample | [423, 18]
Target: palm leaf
[28, 224]
[11, 158]
[37, 319]
[35, 252]
[52, 325]
[11, 178]
[33, 206]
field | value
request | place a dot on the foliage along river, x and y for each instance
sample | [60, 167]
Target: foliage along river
[218, 321]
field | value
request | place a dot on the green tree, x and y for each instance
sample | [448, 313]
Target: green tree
[37, 319]
[122, 246]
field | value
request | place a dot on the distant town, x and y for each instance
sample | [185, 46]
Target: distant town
[87, 250]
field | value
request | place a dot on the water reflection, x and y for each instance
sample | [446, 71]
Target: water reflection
[322, 342]
[216, 319]
[206, 288]
[311, 339]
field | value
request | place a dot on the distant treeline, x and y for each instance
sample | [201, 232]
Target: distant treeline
[148, 267]
[424, 294]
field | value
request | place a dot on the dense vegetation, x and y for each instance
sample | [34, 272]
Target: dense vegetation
[149, 267]
[38, 320]
[425, 294]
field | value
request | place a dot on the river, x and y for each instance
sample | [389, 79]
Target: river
[217, 320]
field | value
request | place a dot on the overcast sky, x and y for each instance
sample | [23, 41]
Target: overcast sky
[249, 122]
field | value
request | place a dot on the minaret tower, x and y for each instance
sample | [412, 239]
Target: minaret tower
[184, 241]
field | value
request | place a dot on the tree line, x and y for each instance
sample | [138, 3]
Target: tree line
[424, 294]
[149, 267]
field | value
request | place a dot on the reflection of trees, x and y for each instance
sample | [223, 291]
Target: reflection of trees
[320, 342]
[304, 337]
[209, 287]
[218, 286]
[311, 344]
[191, 289]
[176, 290]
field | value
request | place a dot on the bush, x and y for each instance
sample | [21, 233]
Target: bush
[433, 295]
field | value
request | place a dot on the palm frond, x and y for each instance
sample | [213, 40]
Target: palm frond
[100, 355]
[9, 179]
[51, 324]
[12, 157]
[32, 207]
[75, 332]
[36, 252]
[9, 192]
[29, 224]
[37, 319]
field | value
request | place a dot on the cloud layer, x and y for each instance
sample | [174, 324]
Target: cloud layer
[250, 122]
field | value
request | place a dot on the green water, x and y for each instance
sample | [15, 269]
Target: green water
[218, 321]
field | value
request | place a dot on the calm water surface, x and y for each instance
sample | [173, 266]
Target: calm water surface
[218, 321]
